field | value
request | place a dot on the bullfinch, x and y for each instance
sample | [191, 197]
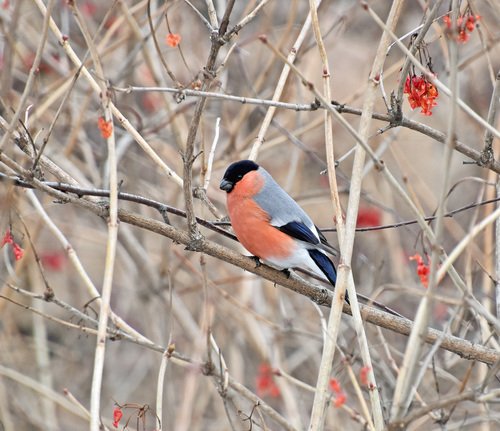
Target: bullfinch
[271, 225]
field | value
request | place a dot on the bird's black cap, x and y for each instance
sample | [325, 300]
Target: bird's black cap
[235, 172]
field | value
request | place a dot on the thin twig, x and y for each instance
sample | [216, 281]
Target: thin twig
[431, 78]
[466, 240]
[320, 399]
[174, 357]
[246, 20]
[415, 45]
[353, 205]
[281, 85]
[211, 155]
[487, 156]
[497, 255]
[112, 219]
[31, 76]
[160, 383]
[158, 50]
[35, 386]
[214, 225]
[54, 120]
[212, 15]
[463, 348]
[405, 385]
[341, 108]
[434, 405]
[189, 156]
[186, 92]
[116, 112]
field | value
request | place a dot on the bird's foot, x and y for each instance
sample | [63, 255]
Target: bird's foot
[286, 272]
[256, 260]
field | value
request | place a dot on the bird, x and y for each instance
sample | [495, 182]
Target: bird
[271, 225]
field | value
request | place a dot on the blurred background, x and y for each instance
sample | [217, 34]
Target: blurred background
[271, 338]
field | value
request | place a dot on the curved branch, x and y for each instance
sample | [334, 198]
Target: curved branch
[464, 348]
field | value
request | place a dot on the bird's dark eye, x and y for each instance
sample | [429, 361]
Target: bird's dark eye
[239, 176]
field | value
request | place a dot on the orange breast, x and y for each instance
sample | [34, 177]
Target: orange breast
[251, 226]
[251, 223]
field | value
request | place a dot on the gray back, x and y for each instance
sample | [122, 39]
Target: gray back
[279, 205]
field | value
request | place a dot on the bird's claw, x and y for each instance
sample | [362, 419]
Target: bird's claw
[256, 260]
[286, 272]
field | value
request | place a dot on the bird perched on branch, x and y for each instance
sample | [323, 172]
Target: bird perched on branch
[271, 225]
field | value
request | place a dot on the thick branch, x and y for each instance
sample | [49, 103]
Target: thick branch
[461, 347]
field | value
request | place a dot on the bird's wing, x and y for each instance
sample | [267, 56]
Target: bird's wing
[288, 216]
[325, 245]
[300, 231]
[280, 207]
[325, 265]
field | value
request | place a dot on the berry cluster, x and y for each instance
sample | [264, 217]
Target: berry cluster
[106, 127]
[421, 93]
[466, 24]
[16, 248]
[265, 382]
[340, 396]
[423, 269]
[173, 39]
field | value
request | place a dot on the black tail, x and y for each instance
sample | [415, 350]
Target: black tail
[326, 266]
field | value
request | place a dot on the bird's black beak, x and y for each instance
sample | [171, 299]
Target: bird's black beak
[226, 185]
